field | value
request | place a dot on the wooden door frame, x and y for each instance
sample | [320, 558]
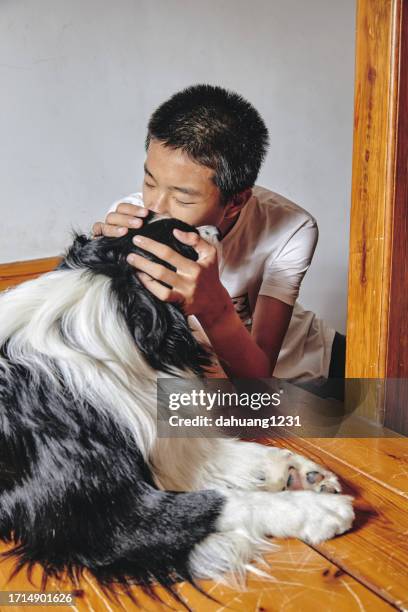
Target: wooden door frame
[377, 320]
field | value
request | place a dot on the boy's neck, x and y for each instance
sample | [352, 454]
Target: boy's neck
[226, 225]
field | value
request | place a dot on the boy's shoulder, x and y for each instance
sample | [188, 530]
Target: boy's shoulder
[272, 204]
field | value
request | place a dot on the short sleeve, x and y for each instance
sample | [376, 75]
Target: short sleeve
[284, 270]
[132, 198]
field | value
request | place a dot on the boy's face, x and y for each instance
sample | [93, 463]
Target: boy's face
[176, 186]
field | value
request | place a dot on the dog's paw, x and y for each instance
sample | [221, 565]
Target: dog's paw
[278, 469]
[273, 471]
[325, 516]
[304, 474]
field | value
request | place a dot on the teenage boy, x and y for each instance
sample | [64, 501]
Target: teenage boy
[205, 146]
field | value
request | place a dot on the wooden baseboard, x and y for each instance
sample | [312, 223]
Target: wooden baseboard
[17, 272]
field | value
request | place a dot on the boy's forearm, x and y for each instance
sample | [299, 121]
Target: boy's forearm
[241, 357]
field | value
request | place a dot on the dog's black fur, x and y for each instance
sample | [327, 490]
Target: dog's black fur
[159, 328]
[75, 491]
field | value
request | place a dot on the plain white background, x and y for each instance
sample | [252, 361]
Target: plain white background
[81, 77]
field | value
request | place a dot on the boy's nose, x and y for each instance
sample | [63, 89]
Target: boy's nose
[159, 205]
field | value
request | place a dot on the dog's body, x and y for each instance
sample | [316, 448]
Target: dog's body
[84, 481]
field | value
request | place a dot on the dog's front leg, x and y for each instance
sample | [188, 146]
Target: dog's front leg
[258, 467]
[269, 468]
[195, 463]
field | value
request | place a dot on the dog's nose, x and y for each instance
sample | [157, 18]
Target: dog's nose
[210, 233]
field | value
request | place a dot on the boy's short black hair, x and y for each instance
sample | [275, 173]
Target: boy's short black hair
[216, 128]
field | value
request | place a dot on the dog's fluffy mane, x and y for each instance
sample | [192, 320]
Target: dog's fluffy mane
[80, 352]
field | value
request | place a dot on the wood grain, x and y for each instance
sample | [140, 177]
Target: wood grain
[17, 272]
[371, 207]
[396, 408]
[385, 460]
[300, 577]
[377, 345]
[375, 552]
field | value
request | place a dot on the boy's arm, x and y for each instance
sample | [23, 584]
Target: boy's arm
[270, 323]
[245, 355]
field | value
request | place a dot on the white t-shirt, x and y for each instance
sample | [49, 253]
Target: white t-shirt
[267, 252]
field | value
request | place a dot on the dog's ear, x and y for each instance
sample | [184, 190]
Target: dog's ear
[160, 329]
[105, 256]
[74, 255]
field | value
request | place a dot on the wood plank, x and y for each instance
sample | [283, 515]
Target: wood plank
[396, 400]
[377, 346]
[28, 267]
[17, 280]
[397, 354]
[383, 459]
[371, 205]
[301, 576]
[14, 273]
[375, 552]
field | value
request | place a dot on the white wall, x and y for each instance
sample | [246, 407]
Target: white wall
[80, 78]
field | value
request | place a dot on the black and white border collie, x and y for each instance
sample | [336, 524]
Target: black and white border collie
[84, 480]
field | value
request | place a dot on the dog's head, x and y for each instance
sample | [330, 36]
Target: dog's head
[159, 329]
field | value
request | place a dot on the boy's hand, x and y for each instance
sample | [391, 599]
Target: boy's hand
[117, 223]
[195, 285]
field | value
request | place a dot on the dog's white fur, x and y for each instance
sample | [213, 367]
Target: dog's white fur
[101, 364]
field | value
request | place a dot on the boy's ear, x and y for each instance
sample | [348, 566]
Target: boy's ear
[237, 203]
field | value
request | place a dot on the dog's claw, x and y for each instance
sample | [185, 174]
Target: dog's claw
[328, 489]
[314, 477]
[307, 475]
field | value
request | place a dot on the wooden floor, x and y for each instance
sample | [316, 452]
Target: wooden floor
[366, 569]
